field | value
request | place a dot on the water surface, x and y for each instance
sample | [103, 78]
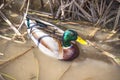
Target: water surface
[35, 64]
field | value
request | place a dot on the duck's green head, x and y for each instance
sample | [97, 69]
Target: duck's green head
[71, 35]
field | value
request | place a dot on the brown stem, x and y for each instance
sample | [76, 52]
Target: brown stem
[58, 13]
[115, 58]
[110, 35]
[9, 2]
[1, 77]
[1, 54]
[28, 2]
[42, 4]
[7, 38]
[91, 35]
[117, 19]
[15, 57]
[23, 5]
[86, 14]
[10, 24]
[51, 7]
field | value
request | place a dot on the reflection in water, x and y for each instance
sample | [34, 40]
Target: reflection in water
[26, 67]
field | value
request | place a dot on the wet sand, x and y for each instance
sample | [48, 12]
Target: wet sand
[35, 65]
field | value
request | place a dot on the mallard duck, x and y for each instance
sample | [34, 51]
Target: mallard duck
[62, 49]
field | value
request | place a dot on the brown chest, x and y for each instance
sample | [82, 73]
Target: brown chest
[70, 53]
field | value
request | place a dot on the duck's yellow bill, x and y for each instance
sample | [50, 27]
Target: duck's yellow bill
[81, 41]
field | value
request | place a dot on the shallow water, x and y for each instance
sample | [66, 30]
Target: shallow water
[34, 65]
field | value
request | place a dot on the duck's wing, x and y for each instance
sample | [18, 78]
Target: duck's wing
[46, 24]
[53, 45]
[41, 24]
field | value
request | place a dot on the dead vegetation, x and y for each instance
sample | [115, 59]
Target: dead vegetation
[103, 14]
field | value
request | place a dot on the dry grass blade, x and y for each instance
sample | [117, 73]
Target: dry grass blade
[1, 77]
[10, 24]
[61, 76]
[2, 62]
[51, 7]
[115, 58]
[1, 54]
[69, 10]
[86, 14]
[67, 69]
[73, 9]
[45, 5]
[113, 32]
[109, 20]
[94, 13]
[92, 10]
[104, 12]
[58, 13]
[117, 19]
[118, 1]
[7, 76]
[1, 5]
[7, 4]
[25, 14]
[42, 14]
[22, 5]
[91, 35]
[37, 69]
[97, 6]
[11, 39]
[67, 4]
[42, 4]
[62, 10]
[38, 65]
[107, 10]
[102, 7]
